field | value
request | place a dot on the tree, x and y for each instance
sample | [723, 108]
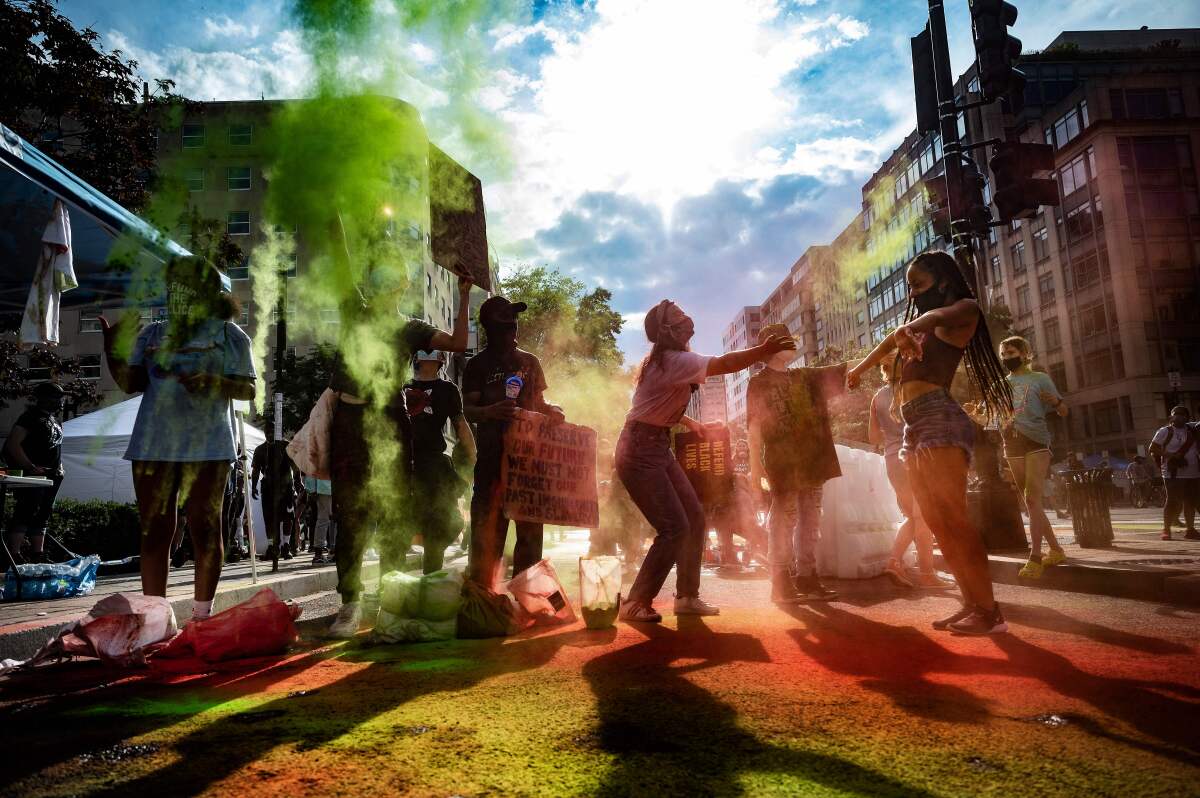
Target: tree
[302, 381]
[79, 104]
[17, 379]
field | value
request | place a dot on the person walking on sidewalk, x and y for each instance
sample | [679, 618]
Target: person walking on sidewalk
[190, 368]
[1027, 446]
[320, 492]
[791, 445]
[35, 445]
[885, 431]
[432, 401]
[648, 469]
[1176, 450]
[273, 465]
[944, 325]
[496, 383]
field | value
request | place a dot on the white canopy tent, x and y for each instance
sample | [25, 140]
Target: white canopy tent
[93, 448]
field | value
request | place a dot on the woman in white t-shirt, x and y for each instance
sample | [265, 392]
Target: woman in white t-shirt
[647, 467]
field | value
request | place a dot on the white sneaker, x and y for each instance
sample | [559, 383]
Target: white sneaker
[694, 605]
[347, 622]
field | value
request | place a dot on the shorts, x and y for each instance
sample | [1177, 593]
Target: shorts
[1017, 445]
[32, 506]
[898, 475]
[935, 421]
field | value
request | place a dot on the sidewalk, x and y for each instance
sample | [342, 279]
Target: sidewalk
[1138, 565]
[26, 625]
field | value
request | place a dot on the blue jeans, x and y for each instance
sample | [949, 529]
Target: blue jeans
[795, 528]
[660, 489]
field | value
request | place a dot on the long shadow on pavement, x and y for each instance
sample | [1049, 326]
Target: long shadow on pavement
[672, 737]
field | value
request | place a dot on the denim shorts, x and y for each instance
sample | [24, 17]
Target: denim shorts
[934, 421]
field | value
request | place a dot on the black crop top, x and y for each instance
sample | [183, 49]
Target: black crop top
[937, 365]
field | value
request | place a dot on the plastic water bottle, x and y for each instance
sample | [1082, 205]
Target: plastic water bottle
[513, 386]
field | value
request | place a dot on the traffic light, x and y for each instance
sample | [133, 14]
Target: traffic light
[1018, 193]
[996, 52]
[924, 82]
[964, 199]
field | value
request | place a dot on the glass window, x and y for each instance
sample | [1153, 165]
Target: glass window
[1046, 289]
[1052, 336]
[1041, 244]
[1022, 300]
[193, 135]
[237, 178]
[89, 367]
[238, 223]
[997, 274]
[1018, 257]
[241, 271]
[194, 179]
[241, 135]
[89, 321]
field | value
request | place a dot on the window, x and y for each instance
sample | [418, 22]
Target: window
[862, 340]
[244, 316]
[1073, 175]
[1046, 289]
[241, 271]
[1079, 222]
[241, 135]
[1058, 373]
[997, 274]
[860, 317]
[89, 367]
[237, 178]
[195, 179]
[238, 223]
[1041, 244]
[1092, 320]
[89, 321]
[1022, 300]
[330, 316]
[1051, 334]
[193, 136]
[1067, 126]
[1018, 258]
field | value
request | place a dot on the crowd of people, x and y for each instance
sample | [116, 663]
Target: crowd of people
[188, 471]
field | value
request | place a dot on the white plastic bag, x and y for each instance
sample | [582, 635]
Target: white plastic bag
[540, 594]
[599, 590]
[391, 628]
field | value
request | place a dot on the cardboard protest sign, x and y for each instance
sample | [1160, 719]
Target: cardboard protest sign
[549, 472]
[457, 225]
[708, 464]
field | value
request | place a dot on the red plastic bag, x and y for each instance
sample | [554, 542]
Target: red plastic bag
[258, 627]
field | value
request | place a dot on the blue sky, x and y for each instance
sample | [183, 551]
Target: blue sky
[690, 149]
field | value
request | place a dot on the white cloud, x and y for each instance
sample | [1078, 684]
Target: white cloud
[224, 27]
[658, 99]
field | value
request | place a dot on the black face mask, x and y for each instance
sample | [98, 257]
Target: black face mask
[931, 298]
[1179, 422]
[1012, 363]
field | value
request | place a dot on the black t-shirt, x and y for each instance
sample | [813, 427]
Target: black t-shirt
[43, 438]
[412, 337]
[277, 480]
[488, 374]
[792, 408]
[430, 404]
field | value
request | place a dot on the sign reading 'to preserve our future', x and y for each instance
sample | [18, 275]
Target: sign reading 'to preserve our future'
[549, 472]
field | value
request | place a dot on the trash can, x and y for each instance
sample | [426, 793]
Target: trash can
[1088, 494]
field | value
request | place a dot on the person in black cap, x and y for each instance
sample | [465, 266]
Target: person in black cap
[496, 383]
[35, 445]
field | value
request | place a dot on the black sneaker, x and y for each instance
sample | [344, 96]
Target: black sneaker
[981, 622]
[811, 589]
[320, 556]
[783, 588]
[944, 624]
[287, 551]
[1192, 534]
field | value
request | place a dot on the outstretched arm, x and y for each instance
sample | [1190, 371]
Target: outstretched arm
[731, 362]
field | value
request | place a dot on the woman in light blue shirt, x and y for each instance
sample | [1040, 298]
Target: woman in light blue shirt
[1027, 446]
[189, 368]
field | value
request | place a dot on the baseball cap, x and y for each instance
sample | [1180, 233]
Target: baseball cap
[430, 354]
[498, 310]
[773, 329]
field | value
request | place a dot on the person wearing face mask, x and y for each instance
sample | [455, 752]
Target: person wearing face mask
[190, 368]
[791, 445]
[647, 468]
[35, 445]
[944, 326]
[1027, 446]
[1174, 449]
[497, 382]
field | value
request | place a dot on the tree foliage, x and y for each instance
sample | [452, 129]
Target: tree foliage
[302, 381]
[564, 321]
[83, 106]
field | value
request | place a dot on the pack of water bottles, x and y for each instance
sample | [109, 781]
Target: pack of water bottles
[32, 581]
[859, 518]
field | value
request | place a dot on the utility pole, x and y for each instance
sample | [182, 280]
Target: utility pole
[275, 450]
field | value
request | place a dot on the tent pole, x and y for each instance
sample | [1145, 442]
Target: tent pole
[247, 509]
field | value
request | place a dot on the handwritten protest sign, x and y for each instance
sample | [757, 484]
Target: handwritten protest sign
[549, 472]
[457, 224]
[708, 464]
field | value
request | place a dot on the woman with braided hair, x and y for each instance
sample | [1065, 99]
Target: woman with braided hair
[943, 326]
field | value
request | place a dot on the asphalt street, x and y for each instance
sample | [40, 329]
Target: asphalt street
[1086, 695]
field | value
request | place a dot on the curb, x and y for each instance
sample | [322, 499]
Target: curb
[1145, 583]
[21, 641]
